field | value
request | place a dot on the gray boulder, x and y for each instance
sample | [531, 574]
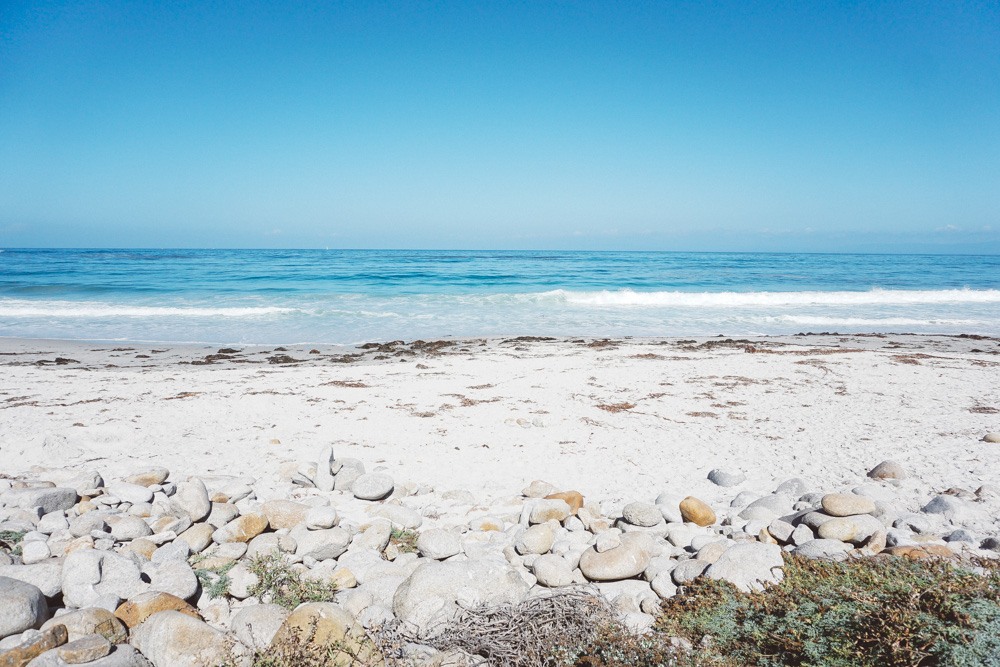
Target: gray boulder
[436, 590]
[173, 639]
[22, 606]
[90, 574]
[748, 565]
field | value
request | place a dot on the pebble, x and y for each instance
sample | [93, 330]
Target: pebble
[992, 437]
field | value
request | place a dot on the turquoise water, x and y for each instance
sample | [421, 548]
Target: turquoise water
[351, 296]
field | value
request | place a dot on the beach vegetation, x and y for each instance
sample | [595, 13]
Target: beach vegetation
[405, 541]
[215, 581]
[864, 612]
[279, 583]
[10, 540]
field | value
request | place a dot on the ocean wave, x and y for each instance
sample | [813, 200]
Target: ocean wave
[84, 309]
[874, 297]
[877, 322]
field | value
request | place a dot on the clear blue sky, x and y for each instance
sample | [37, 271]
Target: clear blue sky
[665, 125]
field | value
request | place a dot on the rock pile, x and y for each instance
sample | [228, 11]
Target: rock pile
[147, 570]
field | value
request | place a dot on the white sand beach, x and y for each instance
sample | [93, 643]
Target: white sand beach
[616, 420]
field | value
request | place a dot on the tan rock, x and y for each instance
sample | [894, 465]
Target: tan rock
[326, 628]
[135, 611]
[887, 470]
[219, 497]
[85, 506]
[141, 546]
[284, 513]
[697, 511]
[548, 510]
[343, 579]
[766, 537]
[85, 542]
[214, 563]
[198, 537]
[173, 639]
[90, 621]
[149, 477]
[847, 504]
[241, 529]
[21, 655]
[573, 498]
[915, 552]
[629, 559]
[83, 650]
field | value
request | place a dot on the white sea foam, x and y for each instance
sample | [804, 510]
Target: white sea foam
[90, 309]
[875, 297]
[878, 322]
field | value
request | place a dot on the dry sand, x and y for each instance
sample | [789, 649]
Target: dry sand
[619, 419]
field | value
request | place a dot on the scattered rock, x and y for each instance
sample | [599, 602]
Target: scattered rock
[552, 571]
[285, 513]
[435, 590]
[329, 631]
[549, 510]
[170, 638]
[887, 470]
[372, 486]
[90, 621]
[625, 561]
[26, 651]
[726, 479]
[241, 529]
[438, 544]
[192, 499]
[748, 566]
[85, 649]
[257, 624]
[537, 539]
[642, 514]
[135, 611]
[847, 504]
[697, 511]
[573, 498]
[22, 606]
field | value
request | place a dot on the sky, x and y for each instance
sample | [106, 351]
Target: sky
[729, 126]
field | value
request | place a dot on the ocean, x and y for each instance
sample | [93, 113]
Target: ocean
[352, 296]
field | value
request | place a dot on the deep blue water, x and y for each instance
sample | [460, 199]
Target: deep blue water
[349, 296]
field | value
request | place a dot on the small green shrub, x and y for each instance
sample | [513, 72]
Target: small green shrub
[279, 583]
[10, 540]
[405, 541]
[216, 580]
[869, 611]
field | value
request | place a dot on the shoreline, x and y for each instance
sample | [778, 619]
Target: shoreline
[612, 417]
